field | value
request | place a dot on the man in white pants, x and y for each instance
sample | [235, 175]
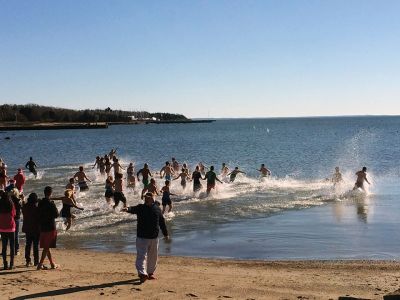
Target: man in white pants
[149, 221]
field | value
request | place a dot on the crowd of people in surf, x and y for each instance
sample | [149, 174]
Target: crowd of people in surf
[39, 216]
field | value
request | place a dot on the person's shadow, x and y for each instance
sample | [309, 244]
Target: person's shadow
[76, 289]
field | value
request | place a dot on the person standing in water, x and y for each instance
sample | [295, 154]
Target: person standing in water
[175, 165]
[167, 171]
[361, 178]
[31, 165]
[196, 176]
[145, 175]
[211, 178]
[265, 172]
[81, 177]
[232, 175]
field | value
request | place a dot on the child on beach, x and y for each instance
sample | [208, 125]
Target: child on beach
[81, 177]
[109, 189]
[30, 227]
[68, 202]
[119, 194]
[48, 234]
[71, 185]
[166, 199]
[7, 228]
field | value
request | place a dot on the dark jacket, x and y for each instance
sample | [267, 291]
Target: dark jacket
[17, 205]
[30, 212]
[149, 220]
[47, 215]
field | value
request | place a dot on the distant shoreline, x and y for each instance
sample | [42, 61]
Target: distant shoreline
[98, 125]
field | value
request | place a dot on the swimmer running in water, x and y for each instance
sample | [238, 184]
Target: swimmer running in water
[361, 178]
[109, 193]
[337, 177]
[119, 193]
[166, 199]
[211, 178]
[224, 170]
[167, 171]
[150, 188]
[130, 171]
[145, 175]
[81, 177]
[265, 172]
[196, 176]
[31, 165]
[183, 176]
[232, 175]
[68, 202]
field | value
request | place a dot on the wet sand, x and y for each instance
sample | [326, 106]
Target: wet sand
[99, 275]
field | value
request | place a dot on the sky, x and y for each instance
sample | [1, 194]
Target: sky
[203, 58]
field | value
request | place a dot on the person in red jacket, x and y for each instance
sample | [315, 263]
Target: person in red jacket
[19, 180]
[7, 228]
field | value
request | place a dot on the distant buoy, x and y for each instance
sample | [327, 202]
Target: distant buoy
[7, 138]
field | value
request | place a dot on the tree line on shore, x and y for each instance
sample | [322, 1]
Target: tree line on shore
[38, 113]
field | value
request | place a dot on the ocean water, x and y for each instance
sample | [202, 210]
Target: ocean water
[295, 214]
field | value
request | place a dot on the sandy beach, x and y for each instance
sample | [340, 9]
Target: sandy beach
[98, 275]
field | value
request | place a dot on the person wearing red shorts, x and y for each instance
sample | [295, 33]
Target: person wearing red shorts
[211, 177]
[48, 234]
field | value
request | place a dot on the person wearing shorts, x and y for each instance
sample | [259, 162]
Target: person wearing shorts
[118, 193]
[145, 175]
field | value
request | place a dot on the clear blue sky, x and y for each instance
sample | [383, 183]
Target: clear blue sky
[203, 58]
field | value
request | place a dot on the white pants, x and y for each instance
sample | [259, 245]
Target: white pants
[146, 255]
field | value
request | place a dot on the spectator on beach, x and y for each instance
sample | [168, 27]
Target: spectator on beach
[30, 227]
[16, 198]
[19, 180]
[149, 221]
[3, 176]
[7, 229]
[48, 234]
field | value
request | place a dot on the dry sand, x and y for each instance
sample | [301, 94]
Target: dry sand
[95, 275]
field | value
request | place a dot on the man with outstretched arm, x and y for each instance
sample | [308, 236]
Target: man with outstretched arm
[149, 220]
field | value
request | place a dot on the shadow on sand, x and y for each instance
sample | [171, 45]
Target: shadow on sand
[77, 289]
